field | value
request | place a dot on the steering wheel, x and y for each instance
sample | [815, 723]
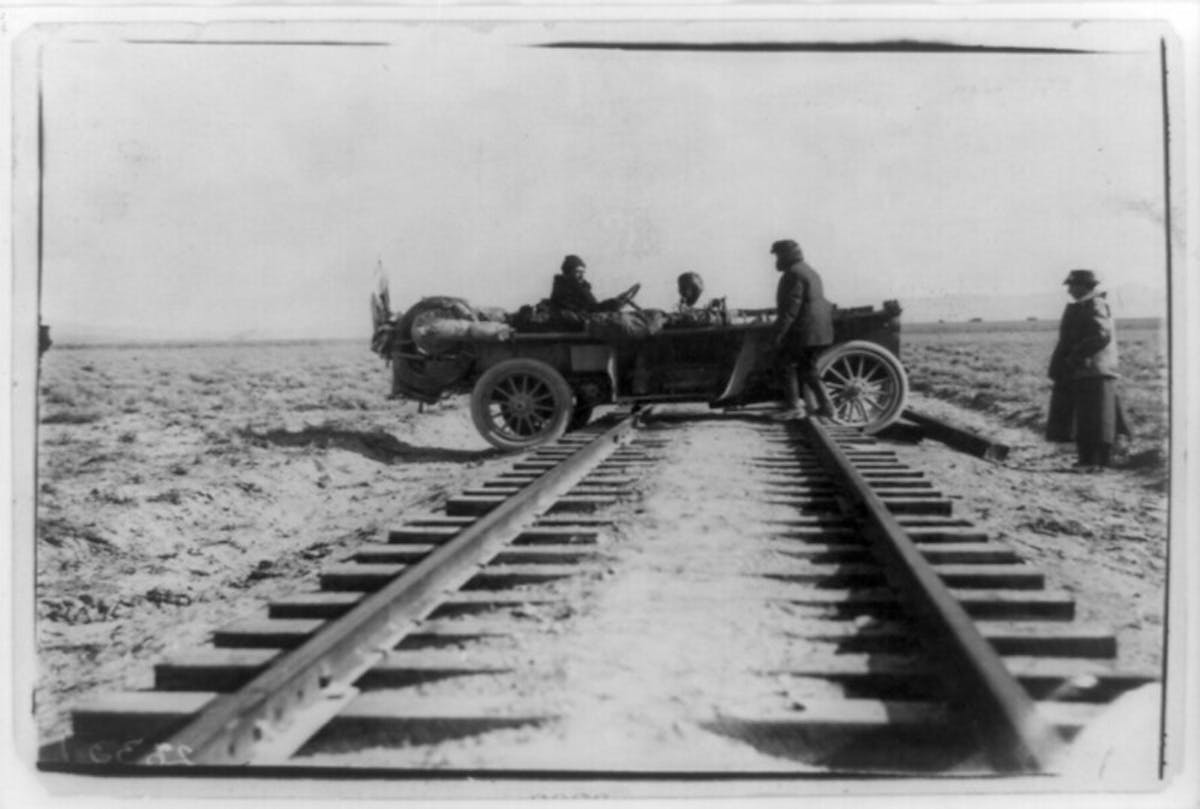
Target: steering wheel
[626, 297]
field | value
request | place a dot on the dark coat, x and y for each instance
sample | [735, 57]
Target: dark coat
[575, 295]
[1086, 408]
[805, 318]
[1086, 353]
[1087, 345]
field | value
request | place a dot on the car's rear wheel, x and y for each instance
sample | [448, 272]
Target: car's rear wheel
[866, 383]
[520, 403]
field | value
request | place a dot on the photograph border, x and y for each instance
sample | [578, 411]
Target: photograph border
[26, 28]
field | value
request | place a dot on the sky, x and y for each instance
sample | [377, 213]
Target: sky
[195, 188]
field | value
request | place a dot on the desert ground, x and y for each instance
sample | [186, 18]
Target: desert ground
[180, 487]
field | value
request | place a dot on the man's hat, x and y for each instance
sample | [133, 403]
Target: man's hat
[571, 262]
[784, 246]
[1086, 277]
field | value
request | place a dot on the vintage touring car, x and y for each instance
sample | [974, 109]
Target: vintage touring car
[533, 375]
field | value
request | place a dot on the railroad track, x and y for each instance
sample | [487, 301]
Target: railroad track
[841, 619]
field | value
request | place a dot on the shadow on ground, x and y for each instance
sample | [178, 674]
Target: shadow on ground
[856, 750]
[376, 445]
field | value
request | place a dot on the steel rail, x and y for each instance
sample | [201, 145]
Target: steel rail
[260, 723]
[1014, 734]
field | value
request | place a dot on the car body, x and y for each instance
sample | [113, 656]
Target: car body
[530, 386]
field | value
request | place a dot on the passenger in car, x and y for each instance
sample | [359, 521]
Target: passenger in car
[688, 312]
[691, 287]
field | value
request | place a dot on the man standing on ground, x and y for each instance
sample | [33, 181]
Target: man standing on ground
[1084, 403]
[803, 325]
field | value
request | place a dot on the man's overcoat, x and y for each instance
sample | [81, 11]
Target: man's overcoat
[1086, 349]
[805, 318]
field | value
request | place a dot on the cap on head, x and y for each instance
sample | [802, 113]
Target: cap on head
[786, 250]
[571, 262]
[1085, 277]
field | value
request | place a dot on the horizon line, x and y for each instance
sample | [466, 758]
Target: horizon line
[75, 342]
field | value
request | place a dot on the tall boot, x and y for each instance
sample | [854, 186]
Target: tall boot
[824, 403]
[791, 387]
[816, 391]
[810, 402]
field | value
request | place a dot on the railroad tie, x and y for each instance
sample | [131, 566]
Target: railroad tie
[851, 677]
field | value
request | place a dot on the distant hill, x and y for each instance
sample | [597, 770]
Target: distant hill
[1128, 301]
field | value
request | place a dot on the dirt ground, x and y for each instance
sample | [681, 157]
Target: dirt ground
[1100, 536]
[181, 488]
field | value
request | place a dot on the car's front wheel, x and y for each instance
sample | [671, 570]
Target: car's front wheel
[519, 403]
[866, 383]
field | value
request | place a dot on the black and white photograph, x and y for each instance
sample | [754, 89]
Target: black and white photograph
[610, 402]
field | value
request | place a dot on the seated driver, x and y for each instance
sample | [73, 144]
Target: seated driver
[572, 293]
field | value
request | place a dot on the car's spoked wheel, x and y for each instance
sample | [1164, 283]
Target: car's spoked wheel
[866, 384]
[521, 403]
[858, 392]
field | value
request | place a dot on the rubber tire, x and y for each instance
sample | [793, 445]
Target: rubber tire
[878, 357]
[448, 307]
[562, 402]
